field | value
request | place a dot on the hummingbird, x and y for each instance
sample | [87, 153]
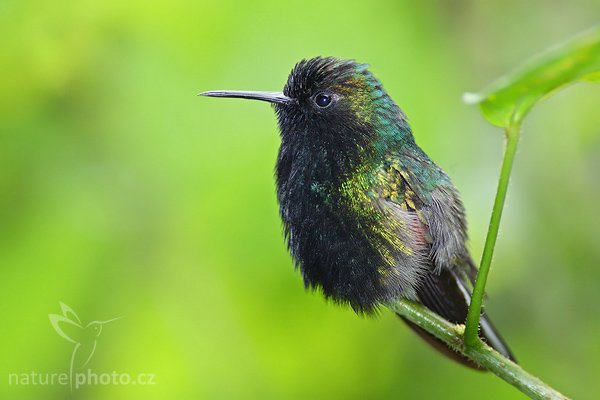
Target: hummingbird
[367, 216]
[84, 337]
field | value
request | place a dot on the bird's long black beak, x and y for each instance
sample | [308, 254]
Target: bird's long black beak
[271, 97]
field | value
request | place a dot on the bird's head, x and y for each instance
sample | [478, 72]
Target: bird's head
[334, 105]
[94, 328]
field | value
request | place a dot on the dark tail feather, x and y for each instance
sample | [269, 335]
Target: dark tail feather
[448, 295]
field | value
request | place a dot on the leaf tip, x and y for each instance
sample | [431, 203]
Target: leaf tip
[472, 98]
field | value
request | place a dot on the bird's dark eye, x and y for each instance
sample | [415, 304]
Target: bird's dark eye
[323, 100]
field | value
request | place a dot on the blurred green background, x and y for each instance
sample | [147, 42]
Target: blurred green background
[124, 194]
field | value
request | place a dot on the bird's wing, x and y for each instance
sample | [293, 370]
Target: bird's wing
[68, 329]
[438, 221]
[437, 208]
[69, 313]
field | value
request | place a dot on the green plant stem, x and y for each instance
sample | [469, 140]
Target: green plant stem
[480, 353]
[472, 324]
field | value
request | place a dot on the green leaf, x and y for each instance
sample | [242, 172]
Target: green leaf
[510, 98]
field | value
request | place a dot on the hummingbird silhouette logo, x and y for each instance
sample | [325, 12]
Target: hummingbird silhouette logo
[83, 336]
